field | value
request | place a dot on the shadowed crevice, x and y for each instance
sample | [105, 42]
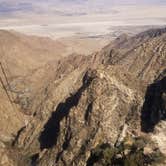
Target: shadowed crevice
[34, 159]
[88, 113]
[66, 143]
[18, 135]
[154, 108]
[48, 137]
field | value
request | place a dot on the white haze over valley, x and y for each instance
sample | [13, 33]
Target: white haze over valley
[61, 18]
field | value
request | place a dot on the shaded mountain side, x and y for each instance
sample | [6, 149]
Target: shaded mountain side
[81, 102]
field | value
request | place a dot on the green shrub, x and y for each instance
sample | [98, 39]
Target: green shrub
[124, 155]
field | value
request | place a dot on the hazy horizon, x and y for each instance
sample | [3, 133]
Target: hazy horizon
[12, 7]
[67, 17]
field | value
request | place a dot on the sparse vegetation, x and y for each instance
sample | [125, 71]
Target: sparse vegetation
[129, 153]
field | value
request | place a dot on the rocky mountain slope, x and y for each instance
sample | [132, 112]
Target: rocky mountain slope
[108, 108]
[21, 53]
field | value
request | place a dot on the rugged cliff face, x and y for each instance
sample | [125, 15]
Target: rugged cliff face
[110, 98]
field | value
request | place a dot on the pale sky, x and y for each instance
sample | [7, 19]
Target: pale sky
[8, 7]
